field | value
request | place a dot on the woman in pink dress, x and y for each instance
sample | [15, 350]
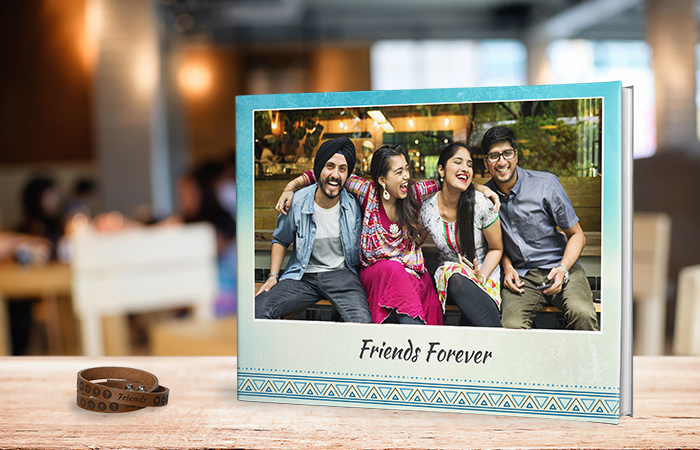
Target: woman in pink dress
[393, 269]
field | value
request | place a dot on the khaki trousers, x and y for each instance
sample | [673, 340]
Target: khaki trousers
[574, 300]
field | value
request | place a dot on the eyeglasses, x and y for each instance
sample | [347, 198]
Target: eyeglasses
[506, 154]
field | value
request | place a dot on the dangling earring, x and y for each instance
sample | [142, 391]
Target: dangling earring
[441, 179]
[385, 194]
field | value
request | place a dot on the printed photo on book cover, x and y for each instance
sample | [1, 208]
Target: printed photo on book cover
[479, 214]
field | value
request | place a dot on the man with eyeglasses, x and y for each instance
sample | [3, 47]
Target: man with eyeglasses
[540, 264]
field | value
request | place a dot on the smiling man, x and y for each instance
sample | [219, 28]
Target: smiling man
[324, 223]
[537, 255]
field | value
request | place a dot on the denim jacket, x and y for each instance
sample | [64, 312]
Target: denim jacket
[299, 226]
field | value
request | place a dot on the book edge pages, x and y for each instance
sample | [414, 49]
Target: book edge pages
[627, 218]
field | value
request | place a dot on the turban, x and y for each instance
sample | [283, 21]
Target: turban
[341, 145]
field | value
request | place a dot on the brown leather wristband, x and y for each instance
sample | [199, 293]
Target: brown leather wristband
[119, 389]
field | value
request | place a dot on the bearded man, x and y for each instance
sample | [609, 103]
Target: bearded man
[324, 223]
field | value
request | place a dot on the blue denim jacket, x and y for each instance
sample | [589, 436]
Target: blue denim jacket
[299, 227]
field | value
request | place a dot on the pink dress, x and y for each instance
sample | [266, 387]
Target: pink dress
[393, 269]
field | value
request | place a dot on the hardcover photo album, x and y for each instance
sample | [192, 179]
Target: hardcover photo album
[369, 290]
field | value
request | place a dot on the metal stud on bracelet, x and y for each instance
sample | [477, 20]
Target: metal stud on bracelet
[129, 387]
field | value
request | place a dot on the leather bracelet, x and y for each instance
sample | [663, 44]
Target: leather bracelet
[119, 389]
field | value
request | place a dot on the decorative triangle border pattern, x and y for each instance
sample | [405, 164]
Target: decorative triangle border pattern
[579, 404]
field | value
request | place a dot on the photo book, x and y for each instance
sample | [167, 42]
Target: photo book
[313, 347]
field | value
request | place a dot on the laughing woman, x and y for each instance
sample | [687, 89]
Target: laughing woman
[465, 230]
[393, 269]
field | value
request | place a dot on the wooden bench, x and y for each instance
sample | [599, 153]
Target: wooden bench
[452, 312]
[553, 309]
[548, 317]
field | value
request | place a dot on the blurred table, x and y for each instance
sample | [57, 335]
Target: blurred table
[39, 411]
[44, 282]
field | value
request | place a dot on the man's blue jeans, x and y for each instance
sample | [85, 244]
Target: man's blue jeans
[341, 287]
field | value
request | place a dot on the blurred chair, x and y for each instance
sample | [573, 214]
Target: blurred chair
[651, 248]
[191, 337]
[686, 337]
[140, 270]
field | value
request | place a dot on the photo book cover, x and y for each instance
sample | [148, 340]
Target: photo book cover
[456, 250]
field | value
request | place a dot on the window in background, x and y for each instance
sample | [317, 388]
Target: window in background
[581, 61]
[446, 64]
[502, 63]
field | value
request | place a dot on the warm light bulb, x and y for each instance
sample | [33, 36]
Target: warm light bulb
[93, 28]
[195, 79]
[416, 142]
[445, 141]
[410, 122]
[447, 121]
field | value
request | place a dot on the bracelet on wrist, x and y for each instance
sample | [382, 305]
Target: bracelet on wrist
[274, 275]
[566, 273]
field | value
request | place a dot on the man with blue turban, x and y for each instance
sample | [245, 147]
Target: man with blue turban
[324, 223]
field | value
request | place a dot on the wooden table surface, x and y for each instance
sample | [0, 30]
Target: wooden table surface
[38, 410]
[46, 282]
[33, 281]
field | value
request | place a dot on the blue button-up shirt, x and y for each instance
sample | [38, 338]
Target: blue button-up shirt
[299, 227]
[530, 214]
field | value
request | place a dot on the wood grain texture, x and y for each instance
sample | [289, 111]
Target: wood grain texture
[46, 282]
[39, 411]
[32, 281]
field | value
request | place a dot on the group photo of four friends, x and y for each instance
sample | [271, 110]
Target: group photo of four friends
[505, 249]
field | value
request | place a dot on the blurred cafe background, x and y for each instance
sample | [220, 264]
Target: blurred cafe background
[117, 144]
